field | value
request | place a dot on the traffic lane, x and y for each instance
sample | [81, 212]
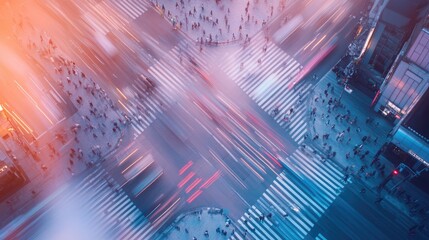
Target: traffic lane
[213, 155]
[105, 61]
[146, 189]
[211, 147]
[306, 43]
[152, 24]
[313, 34]
[331, 59]
[231, 136]
[354, 215]
[222, 195]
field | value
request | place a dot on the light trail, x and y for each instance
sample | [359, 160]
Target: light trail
[251, 169]
[34, 102]
[318, 42]
[165, 214]
[228, 169]
[211, 180]
[186, 167]
[193, 185]
[132, 164]
[129, 155]
[248, 155]
[123, 105]
[122, 94]
[186, 179]
[194, 196]
[19, 121]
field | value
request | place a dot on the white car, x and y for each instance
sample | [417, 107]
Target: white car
[348, 89]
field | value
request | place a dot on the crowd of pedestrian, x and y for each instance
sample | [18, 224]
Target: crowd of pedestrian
[219, 22]
[209, 223]
[350, 139]
[97, 126]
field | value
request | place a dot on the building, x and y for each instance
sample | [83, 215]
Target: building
[404, 98]
[391, 32]
[11, 177]
[410, 144]
[408, 82]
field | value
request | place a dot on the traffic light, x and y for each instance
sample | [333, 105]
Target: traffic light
[395, 172]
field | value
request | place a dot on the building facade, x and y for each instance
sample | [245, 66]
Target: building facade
[408, 82]
[393, 29]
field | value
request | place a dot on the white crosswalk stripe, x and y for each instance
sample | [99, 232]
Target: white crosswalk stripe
[132, 8]
[103, 207]
[296, 199]
[171, 78]
[267, 79]
[102, 18]
[320, 237]
[142, 105]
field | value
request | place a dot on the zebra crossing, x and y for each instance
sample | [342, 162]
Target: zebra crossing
[172, 80]
[267, 77]
[102, 18]
[295, 200]
[132, 8]
[99, 205]
[142, 105]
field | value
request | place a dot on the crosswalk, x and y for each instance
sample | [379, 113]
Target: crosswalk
[267, 78]
[295, 200]
[99, 205]
[132, 8]
[103, 18]
[172, 79]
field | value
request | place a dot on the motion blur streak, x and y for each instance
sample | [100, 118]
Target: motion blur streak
[194, 196]
[253, 170]
[193, 184]
[184, 168]
[185, 180]
[227, 168]
[165, 214]
[211, 180]
[129, 155]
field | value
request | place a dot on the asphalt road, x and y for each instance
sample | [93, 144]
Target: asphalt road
[211, 144]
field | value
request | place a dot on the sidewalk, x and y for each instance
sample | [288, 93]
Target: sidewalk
[207, 223]
[213, 22]
[350, 133]
[73, 144]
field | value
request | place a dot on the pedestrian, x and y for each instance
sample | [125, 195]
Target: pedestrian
[316, 137]
[378, 200]
[346, 178]
[374, 161]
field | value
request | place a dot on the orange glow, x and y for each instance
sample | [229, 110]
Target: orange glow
[20, 121]
[122, 94]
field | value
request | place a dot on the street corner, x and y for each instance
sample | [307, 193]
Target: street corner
[204, 223]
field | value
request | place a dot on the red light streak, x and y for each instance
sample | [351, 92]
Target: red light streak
[184, 168]
[194, 195]
[193, 184]
[186, 179]
[211, 180]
